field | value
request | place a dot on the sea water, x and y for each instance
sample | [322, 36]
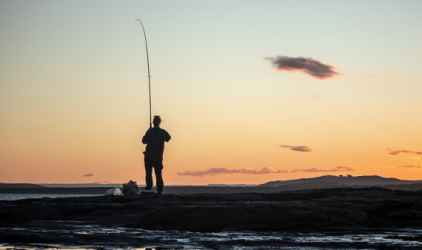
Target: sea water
[139, 239]
[13, 197]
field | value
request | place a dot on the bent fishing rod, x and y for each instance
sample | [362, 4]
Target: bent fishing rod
[149, 76]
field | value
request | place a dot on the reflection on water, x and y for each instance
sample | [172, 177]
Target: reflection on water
[13, 197]
[55, 247]
[105, 238]
[51, 247]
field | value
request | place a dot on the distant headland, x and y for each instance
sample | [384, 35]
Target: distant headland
[321, 182]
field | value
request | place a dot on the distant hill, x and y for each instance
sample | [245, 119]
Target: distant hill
[322, 182]
[349, 180]
[20, 185]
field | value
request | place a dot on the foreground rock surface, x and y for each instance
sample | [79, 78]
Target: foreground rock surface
[324, 209]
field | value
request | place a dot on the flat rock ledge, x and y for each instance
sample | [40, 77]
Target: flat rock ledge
[305, 210]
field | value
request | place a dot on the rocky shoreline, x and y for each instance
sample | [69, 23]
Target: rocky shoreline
[321, 210]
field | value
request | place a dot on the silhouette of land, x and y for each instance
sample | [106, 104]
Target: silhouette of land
[372, 180]
[327, 181]
[19, 185]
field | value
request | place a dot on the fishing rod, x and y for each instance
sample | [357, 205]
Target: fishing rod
[149, 76]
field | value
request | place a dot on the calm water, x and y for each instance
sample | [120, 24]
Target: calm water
[110, 238]
[35, 196]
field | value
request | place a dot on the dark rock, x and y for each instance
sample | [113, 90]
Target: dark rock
[348, 213]
[397, 203]
[404, 214]
[5, 216]
[292, 210]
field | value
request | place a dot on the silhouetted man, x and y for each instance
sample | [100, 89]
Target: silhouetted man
[155, 138]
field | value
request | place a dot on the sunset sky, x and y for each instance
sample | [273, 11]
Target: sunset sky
[250, 91]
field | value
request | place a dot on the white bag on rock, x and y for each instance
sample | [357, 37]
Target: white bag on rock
[114, 192]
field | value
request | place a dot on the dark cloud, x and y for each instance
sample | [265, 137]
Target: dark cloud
[223, 171]
[87, 175]
[306, 65]
[298, 148]
[317, 170]
[396, 152]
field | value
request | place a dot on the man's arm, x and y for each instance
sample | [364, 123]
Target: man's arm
[145, 139]
[167, 136]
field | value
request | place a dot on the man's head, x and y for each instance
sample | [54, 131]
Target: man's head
[156, 121]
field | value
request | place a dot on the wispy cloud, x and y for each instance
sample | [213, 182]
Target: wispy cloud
[308, 66]
[318, 170]
[298, 148]
[410, 166]
[223, 171]
[396, 152]
[101, 182]
[87, 175]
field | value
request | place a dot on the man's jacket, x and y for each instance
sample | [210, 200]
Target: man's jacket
[155, 138]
